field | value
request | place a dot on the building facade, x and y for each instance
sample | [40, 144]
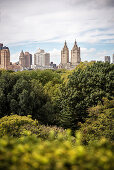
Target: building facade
[4, 57]
[41, 59]
[28, 60]
[107, 59]
[75, 55]
[25, 59]
[22, 59]
[113, 59]
[65, 54]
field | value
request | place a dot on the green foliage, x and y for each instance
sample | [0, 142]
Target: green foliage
[85, 88]
[30, 153]
[23, 93]
[99, 123]
[59, 97]
[17, 126]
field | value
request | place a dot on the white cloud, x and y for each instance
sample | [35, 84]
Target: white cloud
[85, 50]
[14, 57]
[93, 54]
[89, 21]
[50, 20]
[55, 56]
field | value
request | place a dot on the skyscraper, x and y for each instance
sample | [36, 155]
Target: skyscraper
[75, 55]
[41, 58]
[25, 59]
[107, 59]
[4, 57]
[65, 54]
[28, 60]
[22, 59]
[113, 59]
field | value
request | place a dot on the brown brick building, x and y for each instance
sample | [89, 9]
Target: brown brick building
[4, 57]
[25, 59]
[75, 55]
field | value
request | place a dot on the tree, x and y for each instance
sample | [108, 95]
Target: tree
[85, 88]
[99, 122]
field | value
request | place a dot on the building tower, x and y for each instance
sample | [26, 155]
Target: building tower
[25, 59]
[41, 58]
[107, 59]
[22, 59]
[28, 59]
[75, 55]
[4, 57]
[65, 55]
[113, 59]
[1, 47]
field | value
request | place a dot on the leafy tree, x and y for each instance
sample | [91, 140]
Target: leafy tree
[85, 88]
[7, 80]
[99, 122]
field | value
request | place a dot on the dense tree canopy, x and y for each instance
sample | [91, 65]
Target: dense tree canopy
[59, 97]
[85, 88]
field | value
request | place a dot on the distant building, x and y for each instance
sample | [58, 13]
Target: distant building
[1, 46]
[65, 64]
[107, 59]
[22, 59]
[113, 59]
[53, 65]
[15, 67]
[41, 59]
[4, 57]
[28, 60]
[75, 55]
[25, 60]
[65, 55]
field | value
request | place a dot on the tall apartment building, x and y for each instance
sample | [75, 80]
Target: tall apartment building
[41, 59]
[113, 59]
[25, 59]
[22, 59]
[4, 57]
[65, 54]
[107, 59]
[28, 60]
[75, 55]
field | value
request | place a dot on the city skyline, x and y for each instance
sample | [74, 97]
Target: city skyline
[46, 24]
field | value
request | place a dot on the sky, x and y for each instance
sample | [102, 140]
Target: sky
[31, 24]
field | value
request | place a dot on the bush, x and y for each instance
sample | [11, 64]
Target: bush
[17, 126]
[30, 153]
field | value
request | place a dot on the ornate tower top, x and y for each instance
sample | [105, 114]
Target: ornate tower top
[22, 54]
[75, 42]
[75, 45]
[65, 44]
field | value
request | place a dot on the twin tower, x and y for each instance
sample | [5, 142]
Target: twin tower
[75, 56]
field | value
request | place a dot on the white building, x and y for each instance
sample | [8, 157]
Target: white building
[113, 59]
[107, 59]
[41, 59]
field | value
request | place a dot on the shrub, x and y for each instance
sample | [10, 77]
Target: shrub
[18, 126]
[30, 153]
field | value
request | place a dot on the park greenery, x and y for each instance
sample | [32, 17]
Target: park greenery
[59, 119]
